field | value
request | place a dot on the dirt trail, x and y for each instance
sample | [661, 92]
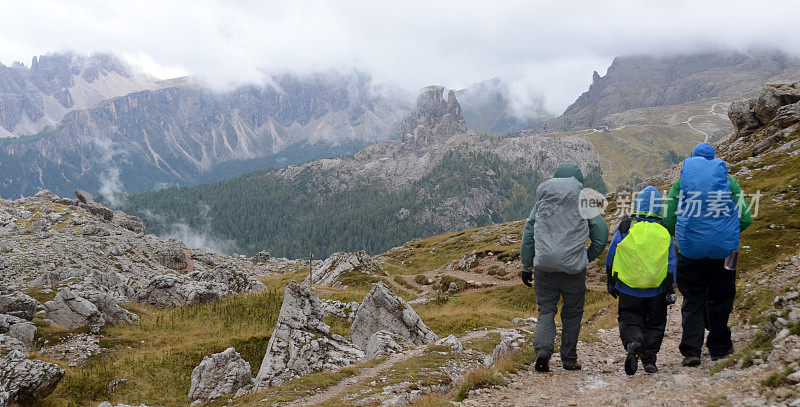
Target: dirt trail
[603, 381]
[374, 371]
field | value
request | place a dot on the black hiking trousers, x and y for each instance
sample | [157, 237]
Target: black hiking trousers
[550, 288]
[708, 291]
[643, 320]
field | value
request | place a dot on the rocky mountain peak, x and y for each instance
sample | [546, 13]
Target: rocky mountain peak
[434, 117]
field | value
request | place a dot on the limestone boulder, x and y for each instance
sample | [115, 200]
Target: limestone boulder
[19, 329]
[15, 303]
[383, 310]
[173, 291]
[24, 381]
[329, 271]
[302, 343]
[381, 343]
[218, 375]
[71, 311]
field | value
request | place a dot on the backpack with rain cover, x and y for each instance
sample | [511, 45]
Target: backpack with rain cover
[642, 256]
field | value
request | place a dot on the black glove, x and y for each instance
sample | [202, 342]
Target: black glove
[611, 284]
[527, 277]
[612, 289]
[669, 290]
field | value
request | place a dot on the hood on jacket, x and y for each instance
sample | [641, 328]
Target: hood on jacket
[649, 200]
[568, 170]
[704, 150]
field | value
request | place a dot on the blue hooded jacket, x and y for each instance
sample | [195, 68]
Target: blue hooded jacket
[707, 224]
[649, 203]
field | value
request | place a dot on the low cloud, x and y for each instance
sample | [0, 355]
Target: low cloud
[202, 238]
[555, 44]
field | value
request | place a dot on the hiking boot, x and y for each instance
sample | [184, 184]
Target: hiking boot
[542, 364]
[650, 367]
[724, 355]
[690, 361]
[632, 358]
[572, 365]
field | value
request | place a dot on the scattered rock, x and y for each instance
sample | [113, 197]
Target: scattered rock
[451, 342]
[24, 381]
[509, 340]
[302, 343]
[261, 257]
[95, 230]
[468, 262]
[340, 309]
[329, 271]
[219, 374]
[15, 303]
[383, 310]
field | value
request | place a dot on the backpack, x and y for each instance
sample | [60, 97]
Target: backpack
[560, 233]
[642, 257]
[699, 233]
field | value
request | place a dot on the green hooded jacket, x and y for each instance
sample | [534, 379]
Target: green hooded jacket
[598, 229]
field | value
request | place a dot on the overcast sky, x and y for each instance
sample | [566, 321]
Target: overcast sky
[553, 46]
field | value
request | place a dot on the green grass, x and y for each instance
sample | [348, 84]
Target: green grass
[478, 309]
[164, 348]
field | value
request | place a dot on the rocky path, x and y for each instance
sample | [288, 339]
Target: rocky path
[603, 381]
[374, 371]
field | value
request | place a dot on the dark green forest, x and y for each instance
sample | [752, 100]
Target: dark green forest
[263, 211]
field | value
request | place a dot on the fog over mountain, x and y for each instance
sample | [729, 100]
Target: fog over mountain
[554, 45]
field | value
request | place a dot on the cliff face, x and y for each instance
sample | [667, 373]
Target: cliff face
[184, 134]
[647, 81]
[55, 84]
[434, 118]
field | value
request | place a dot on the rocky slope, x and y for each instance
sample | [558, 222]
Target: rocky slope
[436, 178]
[184, 133]
[37, 96]
[647, 81]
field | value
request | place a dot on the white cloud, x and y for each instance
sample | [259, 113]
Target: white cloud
[555, 45]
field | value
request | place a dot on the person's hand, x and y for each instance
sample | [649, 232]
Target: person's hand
[671, 298]
[527, 277]
[612, 290]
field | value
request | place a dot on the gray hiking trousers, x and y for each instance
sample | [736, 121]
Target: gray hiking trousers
[549, 287]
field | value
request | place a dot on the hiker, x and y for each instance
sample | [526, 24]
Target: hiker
[640, 271]
[706, 211]
[554, 244]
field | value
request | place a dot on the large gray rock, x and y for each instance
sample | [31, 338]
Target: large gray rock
[173, 291]
[19, 329]
[24, 381]
[742, 116]
[236, 281]
[329, 271]
[71, 311]
[772, 98]
[787, 115]
[381, 343]
[509, 341]
[130, 222]
[111, 311]
[383, 310]
[172, 254]
[220, 374]
[15, 303]
[302, 343]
